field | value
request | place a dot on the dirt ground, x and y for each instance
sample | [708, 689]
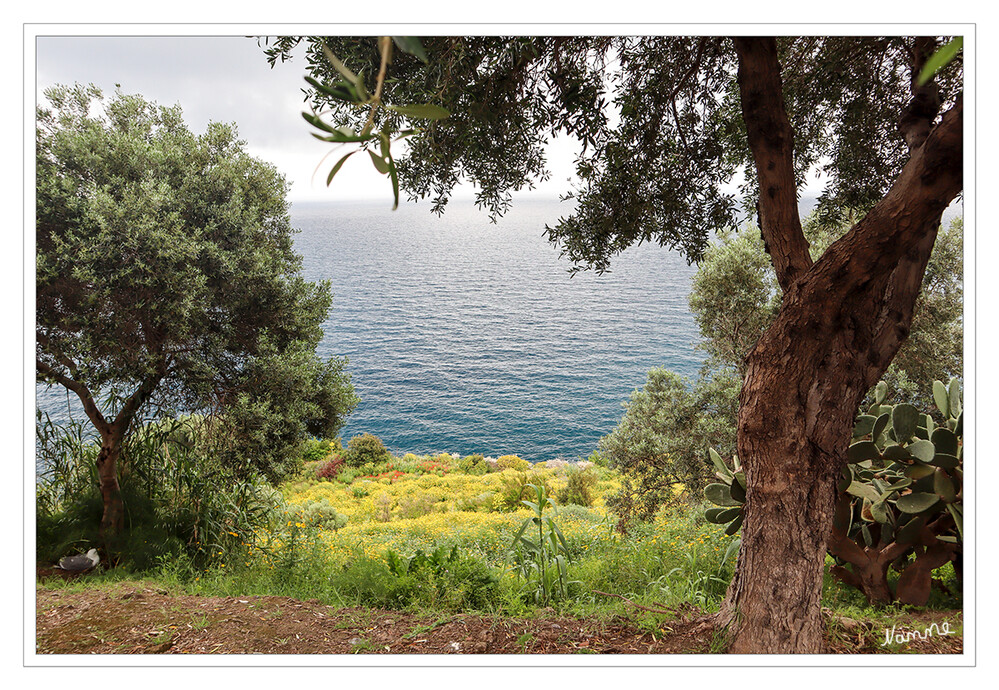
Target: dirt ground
[138, 618]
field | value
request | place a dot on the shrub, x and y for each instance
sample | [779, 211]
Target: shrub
[179, 499]
[329, 470]
[518, 486]
[316, 450]
[661, 440]
[599, 459]
[347, 475]
[364, 450]
[481, 467]
[900, 497]
[320, 514]
[512, 462]
[579, 487]
[467, 464]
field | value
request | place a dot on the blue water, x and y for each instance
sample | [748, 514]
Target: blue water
[471, 337]
[465, 336]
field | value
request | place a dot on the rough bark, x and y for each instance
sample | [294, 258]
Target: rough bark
[113, 519]
[842, 320]
[771, 140]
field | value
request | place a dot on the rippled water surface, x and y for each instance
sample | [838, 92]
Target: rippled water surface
[466, 336]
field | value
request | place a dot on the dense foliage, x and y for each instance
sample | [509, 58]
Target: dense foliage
[182, 501]
[365, 449]
[166, 273]
[901, 498]
[446, 548]
[659, 117]
[735, 297]
[659, 445]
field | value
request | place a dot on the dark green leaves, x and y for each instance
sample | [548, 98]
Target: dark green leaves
[720, 495]
[411, 45]
[381, 165]
[916, 502]
[353, 91]
[904, 421]
[180, 243]
[336, 168]
[940, 59]
[863, 450]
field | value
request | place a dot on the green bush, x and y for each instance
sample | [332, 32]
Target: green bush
[178, 499]
[481, 467]
[659, 445]
[518, 486]
[366, 449]
[441, 580]
[319, 514]
[512, 462]
[316, 450]
[468, 463]
[579, 488]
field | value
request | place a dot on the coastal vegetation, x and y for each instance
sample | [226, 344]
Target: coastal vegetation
[171, 303]
[166, 278]
[666, 124]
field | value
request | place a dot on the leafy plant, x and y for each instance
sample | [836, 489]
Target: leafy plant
[579, 487]
[541, 556]
[901, 497]
[518, 486]
[319, 514]
[659, 443]
[729, 496]
[366, 449]
[512, 462]
[316, 450]
[329, 470]
[468, 463]
[901, 500]
[353, 90]
[179, 498]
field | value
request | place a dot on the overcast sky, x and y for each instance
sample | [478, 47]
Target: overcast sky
[228, 79]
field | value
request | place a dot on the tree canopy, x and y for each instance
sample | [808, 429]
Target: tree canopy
[660, 119]
[165, 272]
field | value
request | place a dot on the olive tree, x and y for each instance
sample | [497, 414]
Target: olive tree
[661, 442]
[666, 123]
[734, 298]
[165, 270]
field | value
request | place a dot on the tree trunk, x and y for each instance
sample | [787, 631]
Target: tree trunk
[841, 322]
[773, 603]
[113, 520]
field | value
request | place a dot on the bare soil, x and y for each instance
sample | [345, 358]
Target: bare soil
[140, 618]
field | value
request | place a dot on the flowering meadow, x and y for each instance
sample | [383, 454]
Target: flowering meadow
[441, 532]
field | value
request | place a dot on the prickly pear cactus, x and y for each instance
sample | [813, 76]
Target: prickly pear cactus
[901, 497]
[729, 495]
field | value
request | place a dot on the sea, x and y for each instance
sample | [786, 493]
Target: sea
[468, 336]
[465, 336]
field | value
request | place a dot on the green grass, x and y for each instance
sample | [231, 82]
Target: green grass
[677, 560]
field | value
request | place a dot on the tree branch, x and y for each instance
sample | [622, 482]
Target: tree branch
[771, 141]
[81, 390]
[895, 233]
[917, 120]
[138, 398]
